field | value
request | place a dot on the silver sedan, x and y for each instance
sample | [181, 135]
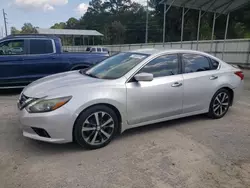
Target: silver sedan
[127, 90]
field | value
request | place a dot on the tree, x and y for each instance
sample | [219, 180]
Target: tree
[28, 29]
[60, 25]
[117, 6]
[95, 7]
[72, 23]
[116, 33]
[123, 21]
[14, 31]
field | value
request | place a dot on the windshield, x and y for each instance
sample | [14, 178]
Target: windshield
[116, 66]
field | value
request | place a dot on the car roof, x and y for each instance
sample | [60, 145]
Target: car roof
[148, 51]
[27, 36]
[96, 47]
[155, 51]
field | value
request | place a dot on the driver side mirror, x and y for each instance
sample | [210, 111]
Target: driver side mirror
[146, 77]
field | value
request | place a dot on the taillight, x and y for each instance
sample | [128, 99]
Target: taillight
[240, 74]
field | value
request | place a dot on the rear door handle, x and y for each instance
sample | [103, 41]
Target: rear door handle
[176, 84]
[213, 77]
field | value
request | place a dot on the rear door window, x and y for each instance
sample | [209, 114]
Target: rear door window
[99, 49]
[195, 63]
[41, 46]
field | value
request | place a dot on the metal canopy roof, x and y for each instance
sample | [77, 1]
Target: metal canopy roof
[69, 32]
[217, 6]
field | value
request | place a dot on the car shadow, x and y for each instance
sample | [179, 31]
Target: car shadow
[162, 125]
[54, 149]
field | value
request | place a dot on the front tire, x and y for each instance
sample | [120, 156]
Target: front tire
[95, 127]
[220, 104]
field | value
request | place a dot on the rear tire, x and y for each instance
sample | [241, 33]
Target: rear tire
[220, 104]
[95, 127]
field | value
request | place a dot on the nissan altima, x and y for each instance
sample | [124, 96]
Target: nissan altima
[127, 90]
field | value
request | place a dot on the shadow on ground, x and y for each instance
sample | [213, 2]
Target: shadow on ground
[162, 125]
[54, 149]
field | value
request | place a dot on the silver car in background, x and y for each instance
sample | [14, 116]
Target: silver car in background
[127, 90]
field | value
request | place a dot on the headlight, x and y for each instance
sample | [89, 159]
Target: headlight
[47, 105]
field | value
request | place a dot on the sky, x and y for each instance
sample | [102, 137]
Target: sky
[41, 13]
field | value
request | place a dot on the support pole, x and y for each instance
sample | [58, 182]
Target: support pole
[93, 40]
[2, 35]
[225, 37]
[212, 37]
[164, 22]
[146, 34]
[5, 23]
[198, 31]
[164, 25]
[182, 24]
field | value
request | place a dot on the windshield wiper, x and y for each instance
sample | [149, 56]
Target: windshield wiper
[90, 75]
[83, 71]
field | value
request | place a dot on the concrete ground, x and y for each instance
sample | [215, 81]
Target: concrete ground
[194, 152]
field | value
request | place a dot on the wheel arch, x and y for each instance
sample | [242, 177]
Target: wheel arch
[111, 106]
[231, 94]
[230, 90]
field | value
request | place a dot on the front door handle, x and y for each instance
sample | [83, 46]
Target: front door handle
[213, 77]
[176, 84]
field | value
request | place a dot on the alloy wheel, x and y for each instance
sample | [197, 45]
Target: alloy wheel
[98, 128]
[221, 104]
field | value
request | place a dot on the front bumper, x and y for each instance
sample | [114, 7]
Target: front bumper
[58, 124]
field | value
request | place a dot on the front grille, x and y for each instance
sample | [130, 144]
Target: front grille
[24, 101]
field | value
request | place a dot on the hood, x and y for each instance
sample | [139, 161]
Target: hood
[58, 82]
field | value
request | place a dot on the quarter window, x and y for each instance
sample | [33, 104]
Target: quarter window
[162, 66]
[195, 63]
[215, 64]
[12, 47]
[38, 46]
[93, 50]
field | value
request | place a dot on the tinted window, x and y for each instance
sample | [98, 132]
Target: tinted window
[215, 64]
[99, 49]
[12, 47]
[162, 66]
[116, 66]
[41, 46]
[88, 49]
[195, 63]
[93, 49]
[105, 49]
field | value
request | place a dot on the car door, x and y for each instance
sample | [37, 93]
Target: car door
[200, 79]
[42, 59]
[12, 52]
[159, 98]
